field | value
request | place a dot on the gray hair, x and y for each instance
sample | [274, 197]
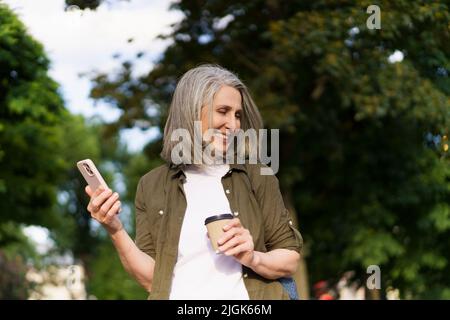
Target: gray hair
[197, 88]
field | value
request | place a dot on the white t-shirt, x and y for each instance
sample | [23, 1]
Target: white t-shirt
[200, 273]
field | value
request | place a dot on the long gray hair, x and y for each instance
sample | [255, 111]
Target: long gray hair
[196, 89]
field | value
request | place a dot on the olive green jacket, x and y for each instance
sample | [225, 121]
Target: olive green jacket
[254, 198]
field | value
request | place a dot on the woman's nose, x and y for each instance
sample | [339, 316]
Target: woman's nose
[231, 123]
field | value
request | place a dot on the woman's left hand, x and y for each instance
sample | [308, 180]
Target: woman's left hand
[237, 242]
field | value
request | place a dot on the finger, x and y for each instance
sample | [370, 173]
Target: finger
[109, 203]
[244, 247]
[90, 207]
[233, 223]
[107, 218]
[230, 234]
[111, 213]
[99, 190]
[97, 201]
[96, 193]
[235, 241]
[88, 191]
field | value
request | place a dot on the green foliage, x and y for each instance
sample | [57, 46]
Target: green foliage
[108, 279]
[40, 143]
[31, 113]
[16, 252]
[14, 243]
[362, 123]
[12, 277]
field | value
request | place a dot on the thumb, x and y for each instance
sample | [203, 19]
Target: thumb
[88, 191]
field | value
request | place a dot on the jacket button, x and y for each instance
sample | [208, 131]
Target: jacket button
[161, 212]
[290, 222]
[236, 214]
[245, 275]
[227, 191]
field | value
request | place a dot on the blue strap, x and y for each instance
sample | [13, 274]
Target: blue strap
[290, 286]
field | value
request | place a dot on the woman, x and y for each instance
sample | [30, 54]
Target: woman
[172, 257]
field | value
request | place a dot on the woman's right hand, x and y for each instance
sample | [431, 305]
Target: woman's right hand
[104, 207]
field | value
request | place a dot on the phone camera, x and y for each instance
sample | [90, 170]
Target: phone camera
[88, 169]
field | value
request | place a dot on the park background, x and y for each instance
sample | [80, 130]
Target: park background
[363, 115]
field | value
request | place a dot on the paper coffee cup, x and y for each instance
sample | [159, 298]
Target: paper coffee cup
[215, 225]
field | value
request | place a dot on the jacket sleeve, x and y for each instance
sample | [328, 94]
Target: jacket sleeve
[143, 238]
[279, 229]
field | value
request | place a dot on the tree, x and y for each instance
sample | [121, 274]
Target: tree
[368, 184]
[40, 142]
[355, 159]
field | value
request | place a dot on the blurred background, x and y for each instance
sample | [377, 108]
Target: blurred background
[363, 114]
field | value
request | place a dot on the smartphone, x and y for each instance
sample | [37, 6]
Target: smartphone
[91, 174]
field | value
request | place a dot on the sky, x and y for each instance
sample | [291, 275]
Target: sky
[82, 41]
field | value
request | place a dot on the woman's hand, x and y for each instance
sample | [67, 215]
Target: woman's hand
[104, 207]
[237, 242]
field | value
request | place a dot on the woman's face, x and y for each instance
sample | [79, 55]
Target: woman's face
[226, 115]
